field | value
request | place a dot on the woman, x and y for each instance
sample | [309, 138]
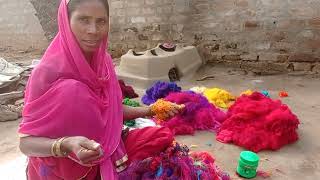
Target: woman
[73, 114]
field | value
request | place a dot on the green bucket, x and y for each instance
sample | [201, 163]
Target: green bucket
[248, 164]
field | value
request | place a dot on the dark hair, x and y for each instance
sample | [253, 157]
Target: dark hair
[72, 5]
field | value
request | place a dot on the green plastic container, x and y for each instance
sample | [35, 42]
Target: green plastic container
[248, 164]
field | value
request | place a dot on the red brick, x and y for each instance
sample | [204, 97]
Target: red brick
[302, 66]
[302, 57]
[242, 3]
[231, 57]
[283, 47]
[316, 68]
[222, 6]
[268, 57]
[313, 44]
[251, 24]
[282, 58]
[315, 22]
[249, 57]
[291, 24]
[265, 68]
[278, 36]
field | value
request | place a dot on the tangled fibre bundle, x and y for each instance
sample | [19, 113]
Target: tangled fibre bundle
[159, 90]
[219, 97]
[161, 107]
[198, 114]
[257, 123]
[175, 163]
[127, 91]
[129, 102]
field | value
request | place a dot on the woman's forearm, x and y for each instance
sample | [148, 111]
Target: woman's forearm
[38, 146]
[135, 112]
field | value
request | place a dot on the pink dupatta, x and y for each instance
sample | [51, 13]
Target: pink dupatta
[67, 97]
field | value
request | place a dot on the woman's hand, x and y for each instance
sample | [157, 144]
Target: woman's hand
[164, 112]
[84, 149]
[174, 111]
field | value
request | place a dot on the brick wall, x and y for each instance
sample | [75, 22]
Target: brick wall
[260, 35]
[20, 28]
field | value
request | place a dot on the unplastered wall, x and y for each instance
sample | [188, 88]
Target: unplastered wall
[260, 35]
[20, 27]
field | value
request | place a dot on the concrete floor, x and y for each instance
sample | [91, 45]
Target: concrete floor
[300, 160]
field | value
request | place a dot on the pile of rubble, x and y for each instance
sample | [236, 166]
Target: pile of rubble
[13, 80]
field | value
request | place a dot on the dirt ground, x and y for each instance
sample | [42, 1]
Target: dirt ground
[293, 162]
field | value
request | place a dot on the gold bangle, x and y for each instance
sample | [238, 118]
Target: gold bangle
[53, 148]
[59, 151]
[64, 154]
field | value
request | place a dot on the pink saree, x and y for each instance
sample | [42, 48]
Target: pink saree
[66, 96]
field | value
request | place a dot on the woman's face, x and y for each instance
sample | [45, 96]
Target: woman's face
[90, 24]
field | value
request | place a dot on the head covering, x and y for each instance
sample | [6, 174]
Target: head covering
[67, 96]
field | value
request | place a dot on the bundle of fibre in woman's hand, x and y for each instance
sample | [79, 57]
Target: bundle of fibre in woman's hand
[161, 108]
[257, 122]
[198, 114]
[159, 90]
[175, 163]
